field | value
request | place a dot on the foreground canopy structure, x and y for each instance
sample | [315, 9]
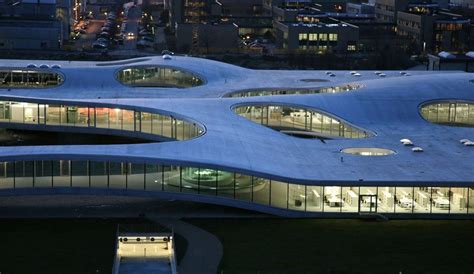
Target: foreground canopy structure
[289, 143]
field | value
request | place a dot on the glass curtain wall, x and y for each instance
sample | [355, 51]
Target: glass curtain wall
[158, 77]
[19, 78]
[286, 119]
[230, 185]
[98, 117]
[335, 89]
[449, 113]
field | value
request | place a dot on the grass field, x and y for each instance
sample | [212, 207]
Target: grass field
[343, 246]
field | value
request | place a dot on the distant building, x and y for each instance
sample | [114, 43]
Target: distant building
[463, 3]
[435, 31]
[363, 8]
[30, 34]
[210, 37]
[328, 35]
[37, 24]
[192, 11]
[447, 61]
[386, 10]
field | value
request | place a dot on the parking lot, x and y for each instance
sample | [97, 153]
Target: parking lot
[128, 30]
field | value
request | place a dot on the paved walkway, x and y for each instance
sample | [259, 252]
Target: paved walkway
[204, 250]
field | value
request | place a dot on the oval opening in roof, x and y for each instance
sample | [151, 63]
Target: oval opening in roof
[368, 151]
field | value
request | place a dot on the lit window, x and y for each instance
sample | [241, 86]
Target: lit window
[303, 36]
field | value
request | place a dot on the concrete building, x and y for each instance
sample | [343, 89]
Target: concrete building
[331, 144]
[37, 24]
[192, 11]
[30, 34]
[449, 61]
[386, 10]
[326, 35]
[360, 8]
[210, 37]
[463, 3]
[435, 31]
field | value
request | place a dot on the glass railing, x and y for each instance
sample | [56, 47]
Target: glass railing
[155, 76]
[270, 92]
[98, 117]
[298, 121]
[449, 113]
[231, 185]
[29, 78]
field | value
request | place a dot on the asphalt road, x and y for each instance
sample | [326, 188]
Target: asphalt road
[134, 15]
[86, 40]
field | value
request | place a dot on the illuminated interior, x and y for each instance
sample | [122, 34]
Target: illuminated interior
[20, 78]
[298, 121]
[155, 76]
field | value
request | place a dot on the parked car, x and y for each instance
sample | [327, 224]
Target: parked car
[103, 40]
[144, 44]
[148, 38]
[168, 52]
[98, 45]
[104, 34]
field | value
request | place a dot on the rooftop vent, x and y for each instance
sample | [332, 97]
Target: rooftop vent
[383, 75]
[166, 57]
[417, 149]
[378, 72]
[469, 143]
[44, 66]
[406, 142]
[31, 66]
[56, 66]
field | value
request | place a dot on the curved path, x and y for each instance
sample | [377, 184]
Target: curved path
[204, 250]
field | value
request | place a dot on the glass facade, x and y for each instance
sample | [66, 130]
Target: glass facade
[158, 77]
[251, 189]
[335, 89]
[19, 78]
[452, 113]
[300, 122]
[98, 117]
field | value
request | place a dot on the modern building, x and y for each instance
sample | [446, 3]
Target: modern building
[212, 37]
[289, 143]
[360, 8]
[462, 3]
[386, 10]
[323, 35]
[435, 31]
[37, 24]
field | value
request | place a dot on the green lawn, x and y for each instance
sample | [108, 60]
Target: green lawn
[57, 246]
[343, 246]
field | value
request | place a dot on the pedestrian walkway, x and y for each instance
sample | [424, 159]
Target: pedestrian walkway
[204, 250]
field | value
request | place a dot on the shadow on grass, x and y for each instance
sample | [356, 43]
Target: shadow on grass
[342, 246]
